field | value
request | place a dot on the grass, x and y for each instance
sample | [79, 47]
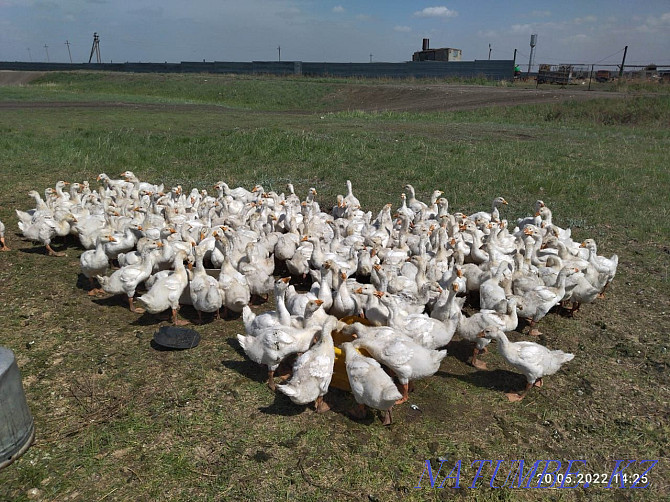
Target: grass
[118, 420]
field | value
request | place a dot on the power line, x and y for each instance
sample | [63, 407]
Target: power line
[612, 55]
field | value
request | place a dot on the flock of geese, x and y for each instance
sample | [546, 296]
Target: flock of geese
[387, 290]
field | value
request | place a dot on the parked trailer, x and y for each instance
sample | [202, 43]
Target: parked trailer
[548, 74]
[604, 76]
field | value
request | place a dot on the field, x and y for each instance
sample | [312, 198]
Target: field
[117, 419]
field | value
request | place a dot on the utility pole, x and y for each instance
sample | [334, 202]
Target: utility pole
[95, 48]
[371, 57]
[623, 61]
[46, 48]
[489, 52]
[30, 56]
[67, 42]
[279, 51]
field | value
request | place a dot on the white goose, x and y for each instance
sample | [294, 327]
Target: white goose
[3, 245]
[535, 361]
[370, 384]
[204, 289]
[94, 262]
[165, 292]
[313, 370]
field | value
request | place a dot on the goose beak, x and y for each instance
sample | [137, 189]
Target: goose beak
[318, 302]
[480, 334]
[159, 244]
[454, 286]
[358, 291]
[285, 280]
[582, 245]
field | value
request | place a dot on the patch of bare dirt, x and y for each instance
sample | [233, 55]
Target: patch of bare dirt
[8, 77]
[424, 98]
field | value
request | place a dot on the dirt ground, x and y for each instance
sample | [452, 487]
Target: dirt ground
[376, 97]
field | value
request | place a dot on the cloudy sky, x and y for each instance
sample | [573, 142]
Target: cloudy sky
[569, 31]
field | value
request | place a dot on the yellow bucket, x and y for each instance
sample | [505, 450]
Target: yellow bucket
[340, 379]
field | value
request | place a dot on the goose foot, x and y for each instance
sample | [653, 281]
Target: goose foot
[4, 246]
[404, 390]
[96, 291]
[534, 332]
[514, 396]
[178, 322]
[271, 381]
[388, 420]
[51, 252]
[601, 296]
[480, 365]
[320, 405]
[133, 308]
[538, 382]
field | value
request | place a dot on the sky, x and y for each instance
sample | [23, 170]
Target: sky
[568, 31]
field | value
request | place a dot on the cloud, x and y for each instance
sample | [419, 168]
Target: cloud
[586, 19]
[338, 9]
[522, 29]
[402, 29]
[577, 39]
[440, 11]
[487, 34]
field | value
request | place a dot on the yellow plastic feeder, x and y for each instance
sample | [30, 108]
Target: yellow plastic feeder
[340, 379]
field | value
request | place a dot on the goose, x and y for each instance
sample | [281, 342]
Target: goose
[3, 245]
[373, 310]
[254, 324]
[165, 292]
[313, 370]
[257, 267]
[235, 291]
[531, 220]
[491, 294]
[536, 303]
[271, 345]
[370, 384]
[350, 200]
[427, 331]
[122, 243]
[582, 292]
[321, 289]
[206, 296]
[344, 302]
[447, 306]
[40, 207]
[126, 279]
[413, 203]
[94, 262]
[535, 361]
[604, 265]
[408, 359]
[45, 227]
[494, 215]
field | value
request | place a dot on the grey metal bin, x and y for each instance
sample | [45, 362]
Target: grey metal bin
[17, 430]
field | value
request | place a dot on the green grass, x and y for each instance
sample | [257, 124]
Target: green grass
[117, 420]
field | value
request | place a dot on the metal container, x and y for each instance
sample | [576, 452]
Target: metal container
[17, 430]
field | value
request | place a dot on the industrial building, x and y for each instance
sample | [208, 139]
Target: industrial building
[441, 54]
